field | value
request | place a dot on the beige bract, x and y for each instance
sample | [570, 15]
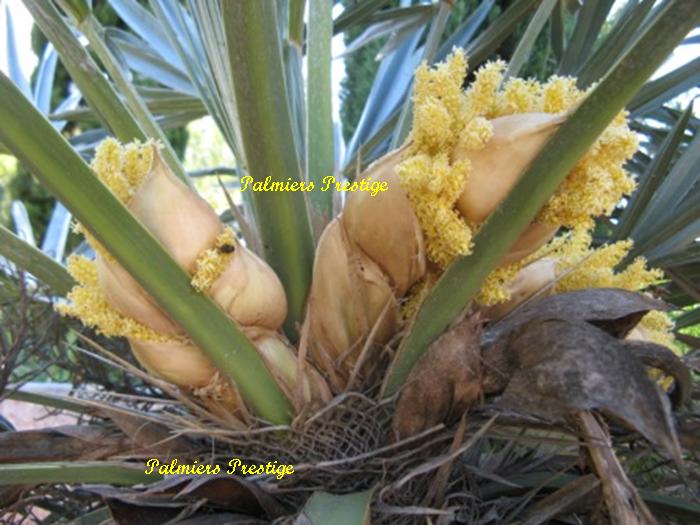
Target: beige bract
[115, 304]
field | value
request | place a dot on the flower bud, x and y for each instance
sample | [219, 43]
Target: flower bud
[250, 291]
[385, 227]
[178, 362]
[186, 366]
[182, 222]
[349, 295]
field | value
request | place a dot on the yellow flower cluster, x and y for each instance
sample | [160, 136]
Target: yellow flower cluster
[87, 302]
[446, 116]
[122, 168]
[442, 117]
[211, 263]
[433, 185]
[598, 181]
[584, 267]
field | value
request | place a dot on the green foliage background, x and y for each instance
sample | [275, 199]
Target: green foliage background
[361, 66]
[18, 183]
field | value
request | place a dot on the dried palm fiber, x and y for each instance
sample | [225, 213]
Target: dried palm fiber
[110, 300]
[466, 150]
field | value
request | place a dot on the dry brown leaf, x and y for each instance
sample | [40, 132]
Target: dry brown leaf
[66, 443]
[658, 356]
[174, 495]
[146, 436]
[445, 382]
[614, 310]
[557, 367]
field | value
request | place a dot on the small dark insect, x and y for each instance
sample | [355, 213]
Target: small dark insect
[227, 248]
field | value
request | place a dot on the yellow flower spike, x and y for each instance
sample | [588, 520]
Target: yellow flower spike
[87, 302]
[107, 163]
[137, 162]
[585, 267]
[443, 84]
[560, 94]
[496, 129]
[475, 135]
[481, 95]
[432, 125]
[567, 263]
[432, 185]
[520, 96]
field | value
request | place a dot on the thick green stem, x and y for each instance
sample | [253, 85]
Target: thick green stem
[463, 279]
[296, 21]
[64, 173]
[268, 142]
[319, 119]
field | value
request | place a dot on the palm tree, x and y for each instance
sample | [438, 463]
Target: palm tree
[459, 335]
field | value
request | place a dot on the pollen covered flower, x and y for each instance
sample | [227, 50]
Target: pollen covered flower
[598, 181]
[581, 266]
[435, 185]
[430, 178]
[483, 138]
[566, 263]
[466, 151]
[211, 263]
[87, 302]
[111, 301]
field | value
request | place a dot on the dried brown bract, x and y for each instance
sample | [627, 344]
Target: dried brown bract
[445, 382]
